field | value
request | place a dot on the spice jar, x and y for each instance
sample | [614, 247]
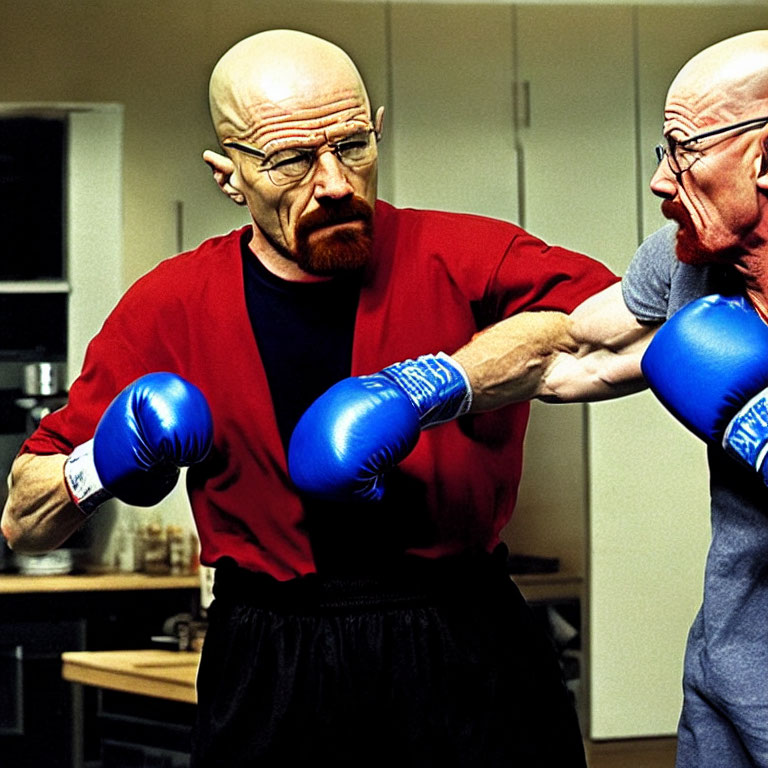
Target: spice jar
[178, 554]
[156, 550]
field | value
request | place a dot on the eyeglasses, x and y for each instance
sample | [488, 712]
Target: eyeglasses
[681, 155]
[290, 166]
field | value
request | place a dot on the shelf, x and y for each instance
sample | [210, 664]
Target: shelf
[34, 286]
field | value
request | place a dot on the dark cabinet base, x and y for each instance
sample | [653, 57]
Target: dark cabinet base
[142, 732]
[48, 722]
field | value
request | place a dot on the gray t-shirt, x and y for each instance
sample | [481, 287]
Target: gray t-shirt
[656, 284]
[727, 655]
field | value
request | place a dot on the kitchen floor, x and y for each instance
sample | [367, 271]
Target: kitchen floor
[633, 753]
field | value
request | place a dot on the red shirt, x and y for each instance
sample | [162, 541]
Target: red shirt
[435, 279]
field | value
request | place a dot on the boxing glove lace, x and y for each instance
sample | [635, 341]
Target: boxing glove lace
[363, 426]
[157, 424]
[708, 364]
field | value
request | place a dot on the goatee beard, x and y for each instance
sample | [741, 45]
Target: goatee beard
[341, 250]
[688, 247]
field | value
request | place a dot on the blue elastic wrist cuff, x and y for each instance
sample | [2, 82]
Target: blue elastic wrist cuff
[437, 386]
[746, 437]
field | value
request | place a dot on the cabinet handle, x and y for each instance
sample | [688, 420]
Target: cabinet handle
[522, 101]
[520, 165]
[179, 226]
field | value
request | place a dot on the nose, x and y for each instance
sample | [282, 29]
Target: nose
[330, 178]
[663, 182]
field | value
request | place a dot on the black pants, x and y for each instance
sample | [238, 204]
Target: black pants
[436, 664]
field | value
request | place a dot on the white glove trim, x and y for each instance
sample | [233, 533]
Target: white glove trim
[83, 481]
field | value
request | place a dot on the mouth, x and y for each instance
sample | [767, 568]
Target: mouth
[676, 212]
[335, 226]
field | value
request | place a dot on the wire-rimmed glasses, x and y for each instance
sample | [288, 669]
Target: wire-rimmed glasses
[682, 154]
[290, 166]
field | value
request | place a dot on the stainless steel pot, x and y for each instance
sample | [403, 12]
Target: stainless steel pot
[43, 379]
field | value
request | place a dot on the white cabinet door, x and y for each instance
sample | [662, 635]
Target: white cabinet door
[451, 123]
[576, 117]
[577, 127]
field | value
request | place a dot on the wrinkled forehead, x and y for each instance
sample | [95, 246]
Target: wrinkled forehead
[692, 109]
[305, 119]
[723, 84]
[286, 87]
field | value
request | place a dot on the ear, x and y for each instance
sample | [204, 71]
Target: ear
[378, 121]
[762, 175]
[223, 169]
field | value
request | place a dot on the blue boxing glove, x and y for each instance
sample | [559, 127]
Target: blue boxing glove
[363, 426]
[157, 424]
[708, 364]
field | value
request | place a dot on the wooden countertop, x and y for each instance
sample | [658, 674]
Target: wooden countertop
[93, 582]
[533, 586]
[158, 673]
[562, 585]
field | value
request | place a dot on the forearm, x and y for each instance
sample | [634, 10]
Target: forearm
[592, 354]
[509, 361]
[39, 514]
[597, 374]
[611, 343]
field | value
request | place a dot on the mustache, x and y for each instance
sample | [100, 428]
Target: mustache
[337, 212]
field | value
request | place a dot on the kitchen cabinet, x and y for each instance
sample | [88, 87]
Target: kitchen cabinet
[145, 703]
[452, 110]
[38, 716]
[576, 139]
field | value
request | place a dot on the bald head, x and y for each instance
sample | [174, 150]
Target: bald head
[279, 73]
[728, 80]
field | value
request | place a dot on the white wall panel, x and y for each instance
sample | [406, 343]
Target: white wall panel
[452, 103]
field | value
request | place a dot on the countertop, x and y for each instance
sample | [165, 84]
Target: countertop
[93, 582]
[545, 586]
[158, 673]
[561, 585]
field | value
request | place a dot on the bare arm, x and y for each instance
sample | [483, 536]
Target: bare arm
[39, 514]
[592, 354]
